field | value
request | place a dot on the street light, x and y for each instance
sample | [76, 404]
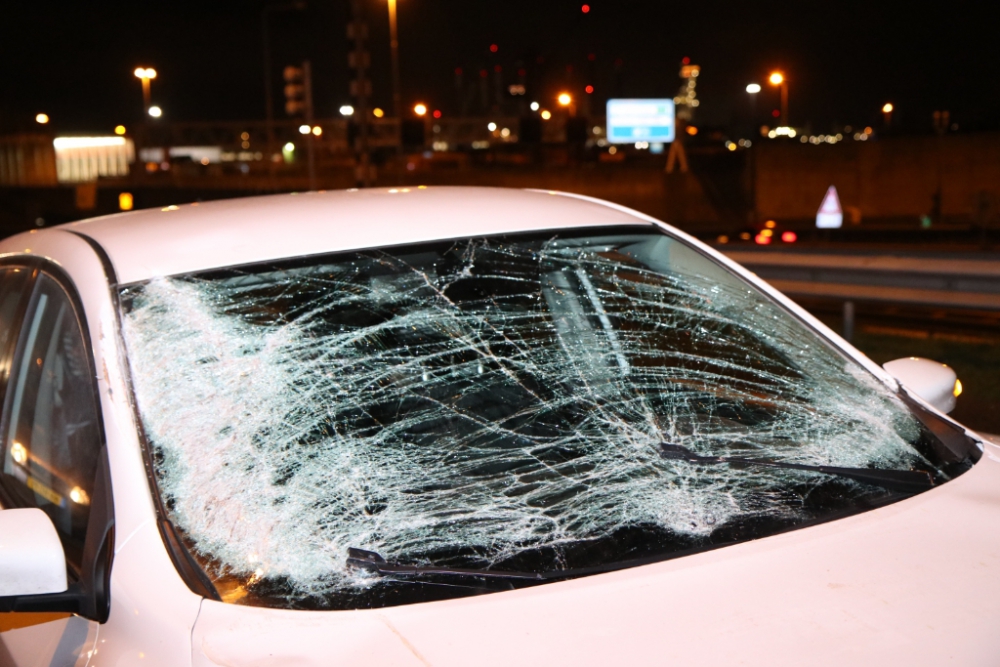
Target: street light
[155, 111]
[347, 110]
[752, 90]
[887, 112]
[42, 119]
[397, 102]
[146, 74]
[420, 109]
[778, 79]
[268, 93]
[564, 99]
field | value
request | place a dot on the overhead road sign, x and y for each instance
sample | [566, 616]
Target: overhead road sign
[630, 121]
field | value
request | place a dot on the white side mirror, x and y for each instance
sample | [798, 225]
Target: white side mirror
[934, 382]
[32, 560]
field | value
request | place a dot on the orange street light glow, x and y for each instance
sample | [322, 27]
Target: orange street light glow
[565, 99]
[42, 119]
[692, 130]
[887, 108]
[546, 114]
[378, 113]
[420, 109]
[776, 78]
[145, 73]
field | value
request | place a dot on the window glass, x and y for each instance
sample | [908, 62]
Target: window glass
[12, 285]
[554, 404]
[52, 438]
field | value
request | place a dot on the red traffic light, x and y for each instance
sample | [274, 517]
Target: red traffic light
[585, 9]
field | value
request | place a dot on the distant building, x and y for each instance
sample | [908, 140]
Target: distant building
[27, 160]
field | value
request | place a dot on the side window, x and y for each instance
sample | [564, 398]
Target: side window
[13, 282]
[51, 438]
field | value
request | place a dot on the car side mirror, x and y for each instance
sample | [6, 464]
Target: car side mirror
[90, 595]
[932, 381]
[32, 560]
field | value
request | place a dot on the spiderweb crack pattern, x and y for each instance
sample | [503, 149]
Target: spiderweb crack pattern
[499, 396]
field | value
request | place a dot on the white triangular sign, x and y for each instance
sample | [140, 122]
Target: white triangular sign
[830, 215]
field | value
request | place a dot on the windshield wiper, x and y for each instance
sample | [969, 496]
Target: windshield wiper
[908, 481]
[374, 563]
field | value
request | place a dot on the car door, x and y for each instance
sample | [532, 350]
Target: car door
[50, 441]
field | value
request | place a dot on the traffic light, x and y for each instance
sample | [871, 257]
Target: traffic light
[295, 90]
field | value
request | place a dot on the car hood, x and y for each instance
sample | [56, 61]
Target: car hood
[913, 583]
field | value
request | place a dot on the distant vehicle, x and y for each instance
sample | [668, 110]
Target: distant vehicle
[464, 426]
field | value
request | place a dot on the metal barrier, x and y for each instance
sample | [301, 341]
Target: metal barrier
[956, 281]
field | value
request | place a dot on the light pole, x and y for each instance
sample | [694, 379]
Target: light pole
[268, 91]
[778, 79]
[753, 89]
[565, 100]
[887, 109]
[397, 98]
[145, 74]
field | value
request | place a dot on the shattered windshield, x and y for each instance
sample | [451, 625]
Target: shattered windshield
[555, 403]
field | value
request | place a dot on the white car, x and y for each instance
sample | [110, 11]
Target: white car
[464, 426]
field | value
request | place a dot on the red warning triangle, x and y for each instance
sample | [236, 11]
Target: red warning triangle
[831, 202]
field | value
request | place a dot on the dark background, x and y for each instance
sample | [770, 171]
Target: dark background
[74, 61]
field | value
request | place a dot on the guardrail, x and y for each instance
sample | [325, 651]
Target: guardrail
[927, 280]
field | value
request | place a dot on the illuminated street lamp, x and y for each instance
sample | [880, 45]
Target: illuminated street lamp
[42, 119]
[778, 79]
[397, 100]
[887, 109]
[420, 109]
[566, 101]
[752, 90]
[146, 74]
[155, 111]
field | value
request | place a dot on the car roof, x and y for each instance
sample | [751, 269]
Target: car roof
[199, 236]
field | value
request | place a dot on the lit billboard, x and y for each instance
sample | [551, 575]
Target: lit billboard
[630, 121]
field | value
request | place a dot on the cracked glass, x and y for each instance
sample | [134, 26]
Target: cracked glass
[502, 404]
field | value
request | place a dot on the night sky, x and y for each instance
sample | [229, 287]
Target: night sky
[74, 61]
